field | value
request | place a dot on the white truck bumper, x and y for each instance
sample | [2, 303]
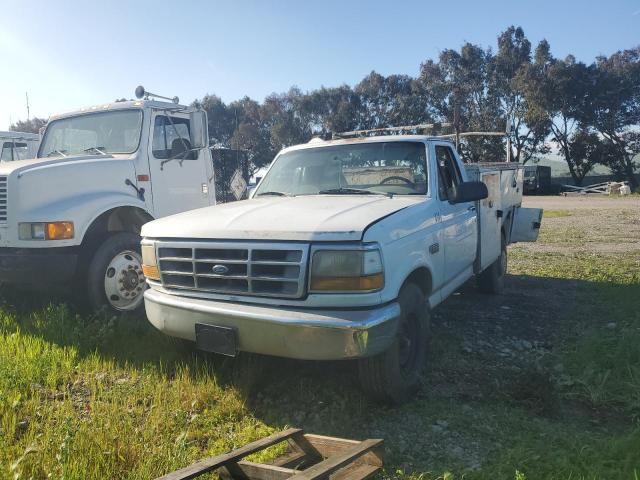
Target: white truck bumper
[307, 334]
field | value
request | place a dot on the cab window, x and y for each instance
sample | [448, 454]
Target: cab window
[171, 138]
[448, 171]
[13, 151]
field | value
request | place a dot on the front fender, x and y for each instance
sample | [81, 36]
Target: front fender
[405, 238]
[76, 190]
[82, 210]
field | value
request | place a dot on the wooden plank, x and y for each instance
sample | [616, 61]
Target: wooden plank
[331, 464]
[245, 470]
[301, 442]
[330, 446]
[293, 459]
[212, 463]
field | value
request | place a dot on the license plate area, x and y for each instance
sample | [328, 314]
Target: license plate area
[216, 339]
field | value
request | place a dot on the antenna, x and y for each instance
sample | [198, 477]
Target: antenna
[27, 95]
[141, 93]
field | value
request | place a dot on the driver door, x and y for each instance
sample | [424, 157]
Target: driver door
[459, 224]
[177, 184]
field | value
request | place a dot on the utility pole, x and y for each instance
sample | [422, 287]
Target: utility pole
[26, 94]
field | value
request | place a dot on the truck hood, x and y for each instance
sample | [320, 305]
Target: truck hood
[6, 168]
[306, 218]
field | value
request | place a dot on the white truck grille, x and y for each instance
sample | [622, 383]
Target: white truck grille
[3, 199]
[260, 268]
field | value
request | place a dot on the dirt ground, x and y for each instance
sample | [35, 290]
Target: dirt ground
[590, 223]
[575, 202]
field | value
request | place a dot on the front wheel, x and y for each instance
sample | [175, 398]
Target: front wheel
[114, 277]
[394, 376]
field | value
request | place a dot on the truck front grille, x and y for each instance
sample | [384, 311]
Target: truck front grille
[260, 268]
[3, 199]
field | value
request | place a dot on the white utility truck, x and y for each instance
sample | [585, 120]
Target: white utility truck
[72, 215]
[18, 146]
[341, 252]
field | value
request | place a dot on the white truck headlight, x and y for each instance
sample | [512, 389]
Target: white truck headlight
[347, 270]
[149, 262]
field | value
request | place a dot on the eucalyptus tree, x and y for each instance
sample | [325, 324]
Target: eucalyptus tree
[508, 83]
[457, 91]
[612, 108]
[555, 90]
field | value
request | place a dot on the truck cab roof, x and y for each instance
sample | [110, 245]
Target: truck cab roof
[120, 106]
[19, 135]
[318, 142]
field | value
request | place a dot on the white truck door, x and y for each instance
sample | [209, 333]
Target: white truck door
[177, 184]
[459, 223]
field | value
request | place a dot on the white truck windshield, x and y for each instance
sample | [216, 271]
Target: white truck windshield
[94, 133]
[396, 167]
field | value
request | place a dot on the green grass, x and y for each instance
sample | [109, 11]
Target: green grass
[556, 213]
[96, 397]
[73, 412]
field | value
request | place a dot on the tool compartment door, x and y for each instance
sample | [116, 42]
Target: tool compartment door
[526, 224]
[490, 238]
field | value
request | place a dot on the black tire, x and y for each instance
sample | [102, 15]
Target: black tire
[123, 244]
[394, 376]
[491, 280]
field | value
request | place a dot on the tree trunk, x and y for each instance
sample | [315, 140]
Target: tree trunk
[628, 170]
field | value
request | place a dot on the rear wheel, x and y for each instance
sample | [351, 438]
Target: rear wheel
[491, 280]
[114, 278]
[394, 376]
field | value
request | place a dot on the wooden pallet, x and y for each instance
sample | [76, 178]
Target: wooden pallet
[308, 457]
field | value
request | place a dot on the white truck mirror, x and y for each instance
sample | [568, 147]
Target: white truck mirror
[198, 121]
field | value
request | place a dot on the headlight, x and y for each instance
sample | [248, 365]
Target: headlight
[149, 263]
[347, 270]
[46, 231]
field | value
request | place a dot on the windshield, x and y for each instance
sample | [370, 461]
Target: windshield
[96, 133]
[366, 168]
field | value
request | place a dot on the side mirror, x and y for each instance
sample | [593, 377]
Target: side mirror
[468, 192]
[199, 131]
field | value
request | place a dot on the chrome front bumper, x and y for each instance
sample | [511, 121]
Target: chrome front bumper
[306, 334]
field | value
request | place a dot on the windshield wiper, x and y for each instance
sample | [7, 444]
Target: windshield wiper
[56, 152]
[277, 194]
[95, 149]
[349, 191]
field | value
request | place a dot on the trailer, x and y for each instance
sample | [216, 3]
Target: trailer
[537, 180]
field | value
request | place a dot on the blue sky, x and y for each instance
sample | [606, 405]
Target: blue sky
[69, 54]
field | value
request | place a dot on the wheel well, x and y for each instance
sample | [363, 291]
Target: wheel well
[422, 278]
[119, 219]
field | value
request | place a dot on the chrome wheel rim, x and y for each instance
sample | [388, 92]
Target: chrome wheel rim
[124, 281]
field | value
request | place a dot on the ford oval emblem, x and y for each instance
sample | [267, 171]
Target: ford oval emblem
[220, 269]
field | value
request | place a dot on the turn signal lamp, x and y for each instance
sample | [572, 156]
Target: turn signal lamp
[59, 230]
[149, 262]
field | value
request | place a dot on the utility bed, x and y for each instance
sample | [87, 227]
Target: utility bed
[500, 216]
